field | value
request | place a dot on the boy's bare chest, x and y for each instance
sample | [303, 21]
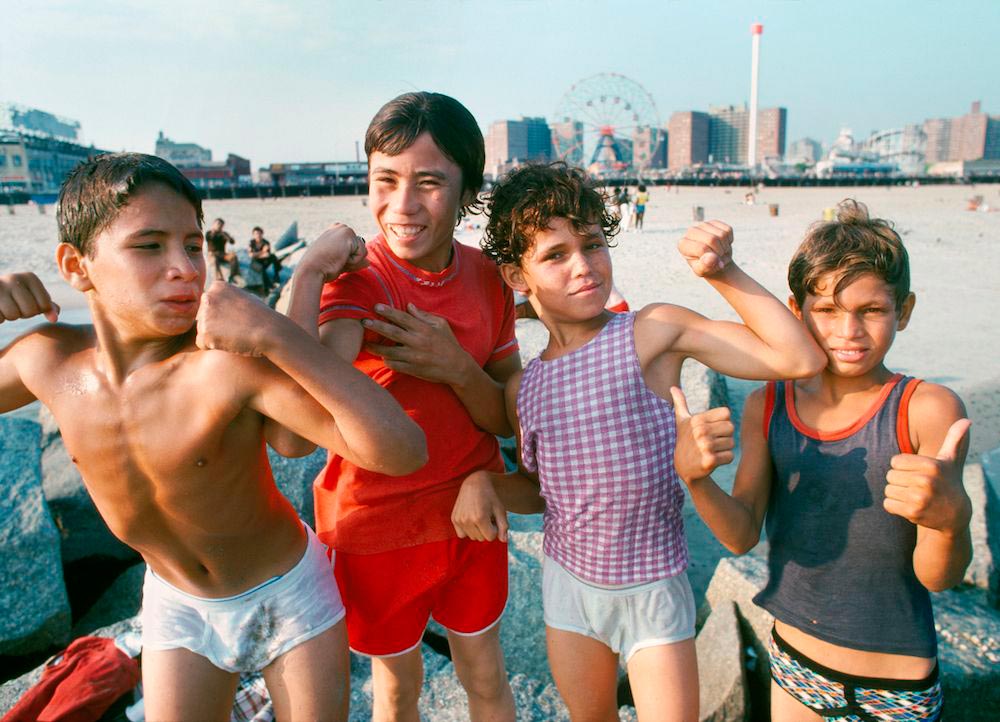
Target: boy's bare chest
[154, 426]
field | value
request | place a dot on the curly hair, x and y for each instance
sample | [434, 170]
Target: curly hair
[525, 201]
[853, 245]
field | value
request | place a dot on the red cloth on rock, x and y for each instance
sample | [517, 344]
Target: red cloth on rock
[78, 685]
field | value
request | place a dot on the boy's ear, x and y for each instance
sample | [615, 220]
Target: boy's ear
[794, 306]
[513, 276]
[905, 310]
[72, 267]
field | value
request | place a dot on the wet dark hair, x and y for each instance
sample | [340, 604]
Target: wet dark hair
[257, 228]
[853, 245]
[456, 133]
[526, 201]
[94, 193]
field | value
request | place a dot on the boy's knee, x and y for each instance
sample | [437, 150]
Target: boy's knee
[485, 680]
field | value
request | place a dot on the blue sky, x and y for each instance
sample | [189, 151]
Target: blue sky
[291, 81]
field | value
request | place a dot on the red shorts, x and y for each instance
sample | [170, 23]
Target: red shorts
[390, 596]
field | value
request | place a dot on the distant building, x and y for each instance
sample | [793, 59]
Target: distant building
[804, 150]
[233, 171]
[181, 154]
[771, 124]
[509, 142]
[688, 139]
[38, 150]
[973, 136]
[649, 148]
[315, 174]
[567, 141]
[32, 121]
[195, 163]
[905, 147]
[729, 130]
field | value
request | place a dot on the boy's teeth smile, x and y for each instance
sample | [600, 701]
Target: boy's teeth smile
[848, 354]
[405, 231]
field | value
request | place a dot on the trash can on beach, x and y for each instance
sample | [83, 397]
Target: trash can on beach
[772, 208]
[698, 213]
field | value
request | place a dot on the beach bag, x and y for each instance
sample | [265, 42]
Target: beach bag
[78, 685]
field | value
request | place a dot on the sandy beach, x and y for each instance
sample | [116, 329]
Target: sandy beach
[955, 264]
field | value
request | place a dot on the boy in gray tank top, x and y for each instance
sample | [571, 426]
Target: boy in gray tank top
[858, 472]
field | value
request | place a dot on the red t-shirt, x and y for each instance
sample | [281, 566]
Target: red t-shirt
[364, 512]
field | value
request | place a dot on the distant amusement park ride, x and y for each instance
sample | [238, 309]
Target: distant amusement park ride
[598, 119]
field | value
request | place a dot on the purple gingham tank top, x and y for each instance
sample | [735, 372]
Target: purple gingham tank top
[602, 444]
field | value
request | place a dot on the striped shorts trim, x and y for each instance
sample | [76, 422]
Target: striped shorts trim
[839, 696]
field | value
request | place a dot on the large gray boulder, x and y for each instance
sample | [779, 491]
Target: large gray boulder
[968, 636]
[985, 527]
[34, 607]
[721, 674]
[121, 601]
[83, 532]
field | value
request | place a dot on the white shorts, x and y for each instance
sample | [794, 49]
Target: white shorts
[626, 619]
[246, 632]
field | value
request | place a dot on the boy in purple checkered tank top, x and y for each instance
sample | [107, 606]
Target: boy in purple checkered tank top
[596, 434]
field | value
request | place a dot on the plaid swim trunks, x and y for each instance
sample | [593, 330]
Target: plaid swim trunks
[839, 696]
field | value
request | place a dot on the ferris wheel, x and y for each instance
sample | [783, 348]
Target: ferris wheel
[598, 120]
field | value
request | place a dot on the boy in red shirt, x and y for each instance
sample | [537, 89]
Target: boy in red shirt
[432, 322]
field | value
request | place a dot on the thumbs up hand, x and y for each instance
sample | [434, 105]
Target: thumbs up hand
[704, 441]
[928, 490]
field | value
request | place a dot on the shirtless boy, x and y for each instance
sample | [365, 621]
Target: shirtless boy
[165, 405]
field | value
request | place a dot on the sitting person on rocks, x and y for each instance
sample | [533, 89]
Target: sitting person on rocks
[263, 258]
[217, 239]
[596, 430]
[857, 473]
[175, 461]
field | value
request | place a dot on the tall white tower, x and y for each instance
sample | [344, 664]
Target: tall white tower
[756, 29]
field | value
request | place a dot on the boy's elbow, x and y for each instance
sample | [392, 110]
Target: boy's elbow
[806, 365]
[411, 454]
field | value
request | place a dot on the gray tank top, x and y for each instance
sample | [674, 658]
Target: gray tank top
[841, 567]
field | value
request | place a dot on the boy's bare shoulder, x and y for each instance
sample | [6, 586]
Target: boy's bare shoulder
[934, 401]
[663, 312]
[933, 409]
[55, 340]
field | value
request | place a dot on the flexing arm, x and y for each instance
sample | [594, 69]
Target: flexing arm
[22, 295]
[772, 344]
[365, 423]
[480, 511]
[704, 442]
[926, 487]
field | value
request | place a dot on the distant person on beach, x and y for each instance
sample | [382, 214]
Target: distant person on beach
[624, 202]
[217, 241]
[857, 473]
[430, 320]
[596, 432]
[262, 256]
[175, 461]
[641, 200]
